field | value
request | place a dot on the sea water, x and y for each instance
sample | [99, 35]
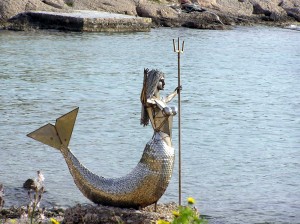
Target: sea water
[240, 114]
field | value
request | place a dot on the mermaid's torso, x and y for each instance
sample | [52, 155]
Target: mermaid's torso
[159, 121]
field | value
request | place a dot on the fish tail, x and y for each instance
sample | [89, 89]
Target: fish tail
[57, 136]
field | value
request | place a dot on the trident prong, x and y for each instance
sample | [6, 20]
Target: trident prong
[179, 51]
[178, 48]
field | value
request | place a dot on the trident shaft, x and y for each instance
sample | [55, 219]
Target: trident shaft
[179, 51]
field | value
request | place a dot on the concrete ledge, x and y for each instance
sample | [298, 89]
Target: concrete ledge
[82, 20]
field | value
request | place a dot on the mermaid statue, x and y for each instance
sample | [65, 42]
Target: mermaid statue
[147, 182]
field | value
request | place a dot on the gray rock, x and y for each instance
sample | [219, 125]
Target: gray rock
[127, 7]
[105, 214]
[10, 8]
[161, 15]
[29, 184]
[292, 8]
[235, 8]
[59, 4]
[82, 20]
[267, 8]
[294, 12]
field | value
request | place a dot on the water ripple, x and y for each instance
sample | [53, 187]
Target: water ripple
[240, 114]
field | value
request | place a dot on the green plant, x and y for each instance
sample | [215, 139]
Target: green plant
[185, 215]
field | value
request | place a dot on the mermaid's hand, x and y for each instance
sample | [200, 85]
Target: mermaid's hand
[178, 89]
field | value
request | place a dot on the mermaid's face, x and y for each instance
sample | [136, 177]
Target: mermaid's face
[161, 84]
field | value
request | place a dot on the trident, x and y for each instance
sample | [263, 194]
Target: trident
[178, 51]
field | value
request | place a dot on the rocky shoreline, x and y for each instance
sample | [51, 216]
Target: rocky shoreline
[43, 212]
[90, 213]
[217, 14]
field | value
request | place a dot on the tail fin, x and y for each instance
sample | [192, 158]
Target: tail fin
[58, 135]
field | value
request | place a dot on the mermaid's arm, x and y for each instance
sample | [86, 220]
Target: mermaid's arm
[170, 97]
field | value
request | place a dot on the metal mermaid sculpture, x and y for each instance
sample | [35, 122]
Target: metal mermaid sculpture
[147, 182]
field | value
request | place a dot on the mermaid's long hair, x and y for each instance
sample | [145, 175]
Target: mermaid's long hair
[151, 79]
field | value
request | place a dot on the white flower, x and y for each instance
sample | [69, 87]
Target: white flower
[1, 191]
[38, 184]
[24, 216]
[39, 181]
[41, 177]
[42, 216]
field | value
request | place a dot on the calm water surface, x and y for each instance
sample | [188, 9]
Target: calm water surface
[240, 114]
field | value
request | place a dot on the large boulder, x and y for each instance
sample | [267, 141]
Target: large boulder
[172, 16]
[294, 12]
[235, 8]
[289, 4]
[127, 7]
[211, 4]
[205, 20]
[271, 10]
[292, 8]
[161, 15]
[10, 8]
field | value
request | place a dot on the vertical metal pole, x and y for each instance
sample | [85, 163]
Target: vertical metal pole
[179, 51]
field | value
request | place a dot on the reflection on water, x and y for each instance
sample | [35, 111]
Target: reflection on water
[240, 114]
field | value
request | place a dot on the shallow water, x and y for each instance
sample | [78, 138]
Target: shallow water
[240, 114]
